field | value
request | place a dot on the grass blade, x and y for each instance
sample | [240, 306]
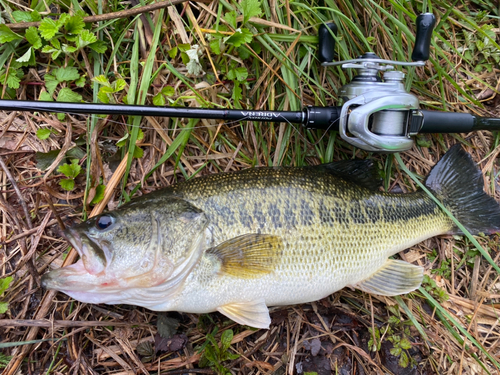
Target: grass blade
[457, 325]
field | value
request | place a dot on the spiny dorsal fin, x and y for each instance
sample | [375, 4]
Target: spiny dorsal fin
[254, 313]
[359, 172]
[249, 256]
[393, 278]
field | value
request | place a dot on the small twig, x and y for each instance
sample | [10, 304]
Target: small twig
[45, 323]
[7, 122]
[22, 243]
[250, 352]
[48, 199]
[374, 337]
[16, 152]
[25, 234]
[111, 16]
[68, 144]
[18, 192]
[191, 370]
[28, 258]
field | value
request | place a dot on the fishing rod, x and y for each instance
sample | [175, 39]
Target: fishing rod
[377, 114]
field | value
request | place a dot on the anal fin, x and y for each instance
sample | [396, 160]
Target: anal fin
[254, 313]
[393, 278]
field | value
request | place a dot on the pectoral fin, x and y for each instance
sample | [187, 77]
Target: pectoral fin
[393, 278]
[248, 256]
[254, 313]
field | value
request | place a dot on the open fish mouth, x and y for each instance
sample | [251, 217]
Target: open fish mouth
[93, 256]
[85, 276]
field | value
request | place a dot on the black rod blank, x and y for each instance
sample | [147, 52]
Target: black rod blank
[296, 117]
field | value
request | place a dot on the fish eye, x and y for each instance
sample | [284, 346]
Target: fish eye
[104, 222]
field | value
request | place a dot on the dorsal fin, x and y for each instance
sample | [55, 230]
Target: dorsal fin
[360, 172]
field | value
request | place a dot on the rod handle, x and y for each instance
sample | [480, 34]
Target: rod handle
[425, 25]
[326, 50]
[447, 122]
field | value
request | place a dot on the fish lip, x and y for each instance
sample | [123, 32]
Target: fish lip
[76, 279]
[73, 281]
[95, 258]
[74, 238]
[60, 278]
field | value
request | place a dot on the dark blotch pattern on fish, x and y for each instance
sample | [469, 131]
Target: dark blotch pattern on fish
[292, 197]
[373, 212]
[245, 218]
[339, 214]
[275, 214]
[396, 209]
[325, 214]
[290, 213]
[259, 215]
[227, 213]
[356, 213]
[306, 213]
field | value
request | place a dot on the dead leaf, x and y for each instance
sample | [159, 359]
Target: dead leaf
[313, 346]
[173, 344]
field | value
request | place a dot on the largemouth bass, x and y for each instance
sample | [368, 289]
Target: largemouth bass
[239, 242]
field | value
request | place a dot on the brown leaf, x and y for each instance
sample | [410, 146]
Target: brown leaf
[261, 365]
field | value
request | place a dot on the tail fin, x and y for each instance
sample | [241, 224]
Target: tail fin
[458, 183]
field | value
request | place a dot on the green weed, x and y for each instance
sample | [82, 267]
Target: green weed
[4, 360]
[214, 355]
[4, 284]
[71, 171]
[431, 286]
[62, 40]
[396, 331]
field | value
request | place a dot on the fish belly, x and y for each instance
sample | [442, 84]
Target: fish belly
[311, 267]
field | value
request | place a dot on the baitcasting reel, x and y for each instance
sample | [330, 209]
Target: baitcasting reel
[379, 114]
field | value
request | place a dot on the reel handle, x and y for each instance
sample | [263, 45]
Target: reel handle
[326, 48]
[425, 25]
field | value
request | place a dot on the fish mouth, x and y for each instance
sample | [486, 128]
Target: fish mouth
[76, 282]
[87, 276]
[93, 256]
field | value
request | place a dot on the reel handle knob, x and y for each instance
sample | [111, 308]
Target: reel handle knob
[326, 48]
[425, 25]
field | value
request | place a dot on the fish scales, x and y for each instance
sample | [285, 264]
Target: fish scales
[333, 232]
[239, 242]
